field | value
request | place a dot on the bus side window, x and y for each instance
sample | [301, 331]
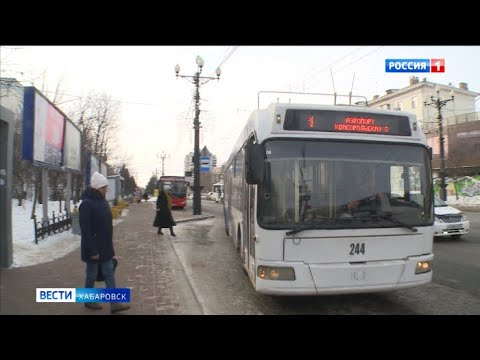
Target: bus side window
[270, 204]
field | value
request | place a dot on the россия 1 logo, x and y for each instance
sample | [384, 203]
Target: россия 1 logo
[415, 65]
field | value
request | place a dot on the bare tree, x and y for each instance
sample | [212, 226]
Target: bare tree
[97, 118]
[117, 159]
[58, 95]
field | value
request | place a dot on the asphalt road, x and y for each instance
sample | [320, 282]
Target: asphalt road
[457, 261]
[213, 269]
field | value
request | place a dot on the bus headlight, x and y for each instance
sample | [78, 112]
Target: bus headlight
[423, 267]
[275, 273]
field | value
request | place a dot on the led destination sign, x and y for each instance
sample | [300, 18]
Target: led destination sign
[347, 122]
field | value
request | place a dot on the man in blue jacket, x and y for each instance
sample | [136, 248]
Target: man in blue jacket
[97, 238]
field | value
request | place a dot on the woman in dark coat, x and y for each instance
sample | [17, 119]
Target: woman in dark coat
[163, 217]
[96, 244]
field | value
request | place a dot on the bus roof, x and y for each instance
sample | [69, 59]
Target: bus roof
[172, 178]
[270, 123]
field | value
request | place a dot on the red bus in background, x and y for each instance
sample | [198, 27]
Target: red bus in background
[177, 187]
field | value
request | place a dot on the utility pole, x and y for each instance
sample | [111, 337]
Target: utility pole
[439, 103]
[197, 199]
[163, 156]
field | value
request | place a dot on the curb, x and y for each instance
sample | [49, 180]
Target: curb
[195, 219]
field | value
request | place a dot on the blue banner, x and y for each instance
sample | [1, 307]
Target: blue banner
[407, 65]
[82, 295]
[205, 163]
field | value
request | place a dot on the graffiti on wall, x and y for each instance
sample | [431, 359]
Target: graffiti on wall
[463, 186]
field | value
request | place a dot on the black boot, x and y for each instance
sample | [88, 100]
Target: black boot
[159, 231]
[93, 305]
[172, 233]
[116, 307]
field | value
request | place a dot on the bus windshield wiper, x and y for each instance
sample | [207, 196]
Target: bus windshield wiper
[318, 224]
[388, 216]
[301, 228]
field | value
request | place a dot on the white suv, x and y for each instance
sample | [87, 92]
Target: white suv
[449, 221]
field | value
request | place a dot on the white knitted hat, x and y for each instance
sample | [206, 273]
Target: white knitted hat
[98, 180]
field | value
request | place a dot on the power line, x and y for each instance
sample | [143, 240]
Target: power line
[371, 52]
[334, 62]
[311, 78]
[228, 56]
[354, 61]
[29, 80]
[97, 98]
[223, 57]
[79, 97]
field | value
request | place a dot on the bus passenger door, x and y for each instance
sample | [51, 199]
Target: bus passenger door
[247, 254]
[251, 232]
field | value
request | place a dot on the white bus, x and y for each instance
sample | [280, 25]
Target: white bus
[331, 199]
[218, 192]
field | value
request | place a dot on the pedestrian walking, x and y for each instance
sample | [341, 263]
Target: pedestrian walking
[163, 216]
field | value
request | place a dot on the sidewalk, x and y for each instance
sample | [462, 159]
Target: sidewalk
[467, 208]
[147, 265]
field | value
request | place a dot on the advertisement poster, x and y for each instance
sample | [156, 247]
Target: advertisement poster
[71, 156]
[94, 164]
[48, 132]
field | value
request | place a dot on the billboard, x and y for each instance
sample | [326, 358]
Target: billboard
[94, 164]
[72, 147]
[43, 130]
[103, 169]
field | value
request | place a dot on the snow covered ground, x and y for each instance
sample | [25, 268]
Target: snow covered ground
[25, 251]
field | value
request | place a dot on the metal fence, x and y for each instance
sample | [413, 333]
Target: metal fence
[459, 119]
[431, 124]
[54, 225]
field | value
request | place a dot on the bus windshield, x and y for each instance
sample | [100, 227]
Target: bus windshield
[338, 184]
[177, 189]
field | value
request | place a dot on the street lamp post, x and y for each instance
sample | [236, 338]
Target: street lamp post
[439, 103]
[197, 199]
[163, 156]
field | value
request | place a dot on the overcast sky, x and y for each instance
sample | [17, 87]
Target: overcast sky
[157, 109]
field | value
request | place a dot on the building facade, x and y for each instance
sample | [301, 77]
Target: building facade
[461, 123]
[413, 97]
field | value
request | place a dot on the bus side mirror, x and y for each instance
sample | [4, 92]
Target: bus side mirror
[254, 163]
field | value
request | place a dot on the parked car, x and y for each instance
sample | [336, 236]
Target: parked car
[209, 196]
[449, 221]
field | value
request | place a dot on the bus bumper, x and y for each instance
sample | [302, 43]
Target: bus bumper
[346, 278]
